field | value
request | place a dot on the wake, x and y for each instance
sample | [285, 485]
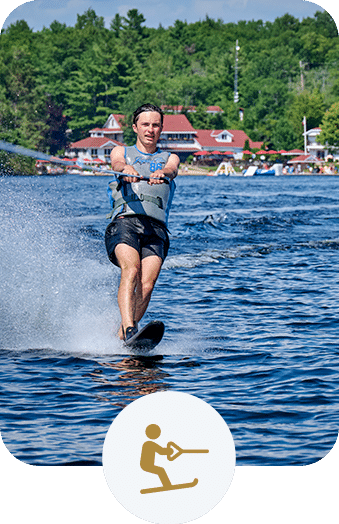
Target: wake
[52, 295]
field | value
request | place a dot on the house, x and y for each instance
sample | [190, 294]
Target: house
[304, 159]
[178, 136]
[312, 145]
[98, 146]
[225, 140]
[315, 148]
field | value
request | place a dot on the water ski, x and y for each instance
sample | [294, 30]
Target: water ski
[173, 486]
[148, 337]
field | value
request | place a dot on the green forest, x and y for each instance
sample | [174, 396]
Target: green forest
[58, 83]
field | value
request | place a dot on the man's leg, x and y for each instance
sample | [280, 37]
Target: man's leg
[165, 481]
[150, 269]
[129, 261]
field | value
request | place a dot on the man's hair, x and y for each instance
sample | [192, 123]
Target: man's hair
[147, 107]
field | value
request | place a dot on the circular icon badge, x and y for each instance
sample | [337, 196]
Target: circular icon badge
[169, 458]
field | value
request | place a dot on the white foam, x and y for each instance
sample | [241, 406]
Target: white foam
[52, 296]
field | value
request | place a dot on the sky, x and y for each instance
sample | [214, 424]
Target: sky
[39, 13]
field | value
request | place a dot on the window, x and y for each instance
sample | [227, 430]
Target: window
[107, 152]
[94, 152]
[224, 137]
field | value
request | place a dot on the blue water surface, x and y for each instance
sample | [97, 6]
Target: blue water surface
[248, 293]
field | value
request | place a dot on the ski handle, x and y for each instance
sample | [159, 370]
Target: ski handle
[170, 447]
[179, 451]
[117, 173]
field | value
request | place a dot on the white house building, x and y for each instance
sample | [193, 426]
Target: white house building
[177, 136]
[98, 146]
[231, 141]
[316, 149]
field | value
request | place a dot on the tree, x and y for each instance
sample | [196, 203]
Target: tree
[134, 20]
[199, 119]
[92, 71]
[315, 48]
[89, 20]
[22, 99]
[329, 135]
[129, 29]
[247, 144]
[306, 104]
[325, 24]
[55, 136]
[116, 25]
[283, 136]
[19, 33]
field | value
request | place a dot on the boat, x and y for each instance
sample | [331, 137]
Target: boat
[275, 170]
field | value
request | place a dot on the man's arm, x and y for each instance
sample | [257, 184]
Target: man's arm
[118, 163]
[169, 171]
[159, 449]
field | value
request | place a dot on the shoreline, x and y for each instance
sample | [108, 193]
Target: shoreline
[189, 172]
[240, 175]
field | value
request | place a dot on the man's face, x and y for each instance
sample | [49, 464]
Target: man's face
[148, 128]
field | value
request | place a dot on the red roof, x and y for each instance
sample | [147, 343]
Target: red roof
[105, 129]
[217, 109]
[295, 152]
[179, 108]
[216, 132]
[177, 124]
[119, 118]
[95, 142]
[178, 149]
[304, 158]
[206, 138]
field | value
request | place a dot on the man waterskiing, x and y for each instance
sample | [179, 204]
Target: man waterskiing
[147, 461]
[149, 449]
[137, 239]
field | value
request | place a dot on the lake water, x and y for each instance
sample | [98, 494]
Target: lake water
[248, 293]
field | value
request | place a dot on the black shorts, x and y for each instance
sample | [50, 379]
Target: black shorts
[148, 236]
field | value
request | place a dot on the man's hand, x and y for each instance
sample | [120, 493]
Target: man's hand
[156, 177]
[118, 163]
[170, 171]
[130, 171]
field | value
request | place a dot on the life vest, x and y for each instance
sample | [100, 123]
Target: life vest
[141, 198]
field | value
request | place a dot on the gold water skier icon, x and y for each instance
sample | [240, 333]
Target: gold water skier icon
[147, 460]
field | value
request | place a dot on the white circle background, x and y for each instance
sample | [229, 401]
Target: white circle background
[192, 424]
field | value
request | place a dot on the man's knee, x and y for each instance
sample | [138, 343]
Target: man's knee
[147, 287]
[131, 273]
[127, 256]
